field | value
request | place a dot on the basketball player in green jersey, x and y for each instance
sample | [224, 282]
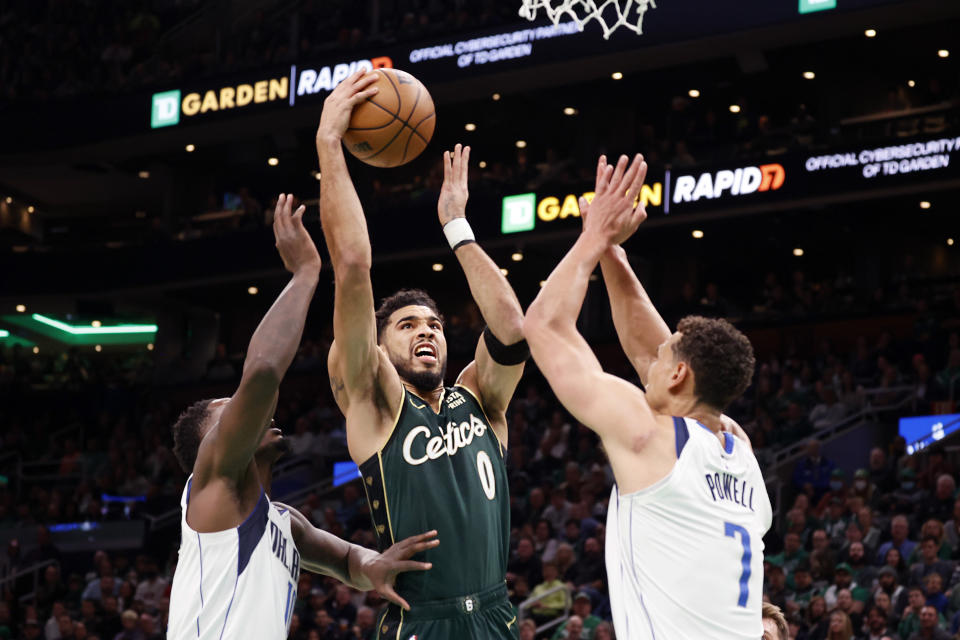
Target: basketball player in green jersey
[431, 457]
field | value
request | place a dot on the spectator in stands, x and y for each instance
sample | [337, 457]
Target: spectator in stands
[838, 489]
[862, 487]
[877, 626]
[591, 569]
[812, 473]
[910, 619]
[110, 623]
[822, 559]
[341, 609]
[849, 606]
[804, 588]
[871, 533]
[895, 561]
[888, 582]
[863, 574]
[558, 512]
[881, 472]
[933, 589]
[51, 630]
[843, 579]
[939, 504]
[45, 549]
[582, 608]
[792, 555]
[604, 631]
[31, 629]
[106, 584]
[908, 498]
[130, 623]
[545, 543]
[930, 626]
[952, 528]
[365, 627]
[899, 530]
[930, 563]
[301, 440]
[552, 605]
[566, 560]
[88, 615]
[841, 628]
[528, 629]
[152, 588]
[829, 411]
[574, 629]
[776, 583]
[51, 589]
[525, 563]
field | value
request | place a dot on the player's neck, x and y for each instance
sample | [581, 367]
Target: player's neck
[264, 474]
[430, 396]
[690, 408]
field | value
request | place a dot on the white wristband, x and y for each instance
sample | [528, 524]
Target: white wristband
[458, 233]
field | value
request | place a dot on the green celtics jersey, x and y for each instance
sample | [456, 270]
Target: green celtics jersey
[443, 471]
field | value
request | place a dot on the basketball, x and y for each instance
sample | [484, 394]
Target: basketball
[394, 126]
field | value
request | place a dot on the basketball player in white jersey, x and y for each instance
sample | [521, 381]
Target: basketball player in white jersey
[240, 554]
[688, 513]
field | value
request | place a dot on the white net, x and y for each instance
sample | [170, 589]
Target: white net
[610, 14]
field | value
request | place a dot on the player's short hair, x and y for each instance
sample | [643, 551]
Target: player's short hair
[721, 358]
[403, 298]
[773, 612]
[187, 434]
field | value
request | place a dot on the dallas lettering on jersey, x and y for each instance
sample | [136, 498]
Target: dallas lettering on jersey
[279, 546]
[725, 487]
[449, 443]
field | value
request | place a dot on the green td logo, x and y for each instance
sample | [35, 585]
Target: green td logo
[166, 109]
[809, 6]
[519, 213]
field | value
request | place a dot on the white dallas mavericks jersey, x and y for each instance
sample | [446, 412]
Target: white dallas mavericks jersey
[685, 555]
[237, 583]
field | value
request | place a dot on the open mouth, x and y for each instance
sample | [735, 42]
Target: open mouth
[425, 352]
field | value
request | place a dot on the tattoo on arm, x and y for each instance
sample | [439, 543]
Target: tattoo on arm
[337, 385]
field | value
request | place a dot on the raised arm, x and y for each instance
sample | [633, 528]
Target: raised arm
[355, 359]
[493, 381]
[639, 326]
[358, 567]
[271, 349]
[606, 404]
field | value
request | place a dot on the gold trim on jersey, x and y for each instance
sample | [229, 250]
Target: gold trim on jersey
[386, 502]
[400, 626]
[485, 417]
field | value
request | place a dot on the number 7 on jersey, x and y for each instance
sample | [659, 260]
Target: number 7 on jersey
[731, 530]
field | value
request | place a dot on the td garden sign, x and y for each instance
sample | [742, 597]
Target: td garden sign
[792, 181]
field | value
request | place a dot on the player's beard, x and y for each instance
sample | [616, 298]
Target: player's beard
[427, 380]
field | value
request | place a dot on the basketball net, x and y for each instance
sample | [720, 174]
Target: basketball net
[611, 14]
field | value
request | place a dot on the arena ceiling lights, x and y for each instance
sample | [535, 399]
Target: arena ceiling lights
[87, 334]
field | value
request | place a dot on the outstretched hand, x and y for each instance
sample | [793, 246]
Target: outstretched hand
[294, 243]
[453, 194]
[338, 107]
[615, 212]
[379, 571]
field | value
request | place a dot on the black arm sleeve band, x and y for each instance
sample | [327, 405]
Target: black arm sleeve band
[506, 355]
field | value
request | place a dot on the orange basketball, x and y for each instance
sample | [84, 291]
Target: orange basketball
[394, 126]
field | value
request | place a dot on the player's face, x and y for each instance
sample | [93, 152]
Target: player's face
[660, 371]
[272, 444]
[414, 341]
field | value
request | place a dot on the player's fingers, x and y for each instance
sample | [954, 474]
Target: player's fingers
[639, 180]
[465, 164]
[457, 159]
[603, 182]
[366, 94]
[630, 178]
[412, 565]
[414, 549]
[429, 536]
[298, 214]
[387, 592]
[617, 179]
[280, 215]
[362, 79]
[447, 165]
[601, 166]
